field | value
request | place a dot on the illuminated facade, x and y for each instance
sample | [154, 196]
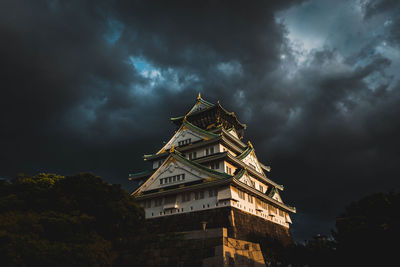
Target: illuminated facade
[206, 165]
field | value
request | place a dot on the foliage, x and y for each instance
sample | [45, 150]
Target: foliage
[48, 220]
[366, 234]
[368, 231]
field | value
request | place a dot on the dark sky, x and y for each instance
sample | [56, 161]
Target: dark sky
[91, 85]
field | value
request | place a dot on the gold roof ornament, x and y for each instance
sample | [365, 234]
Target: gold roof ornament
[199, 96]
[250, 144]
[172, 150]
[185, 118]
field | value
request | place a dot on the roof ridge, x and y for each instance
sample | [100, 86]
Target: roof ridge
[231, 113]
[206, 102]
[246, 152]
[185, 122]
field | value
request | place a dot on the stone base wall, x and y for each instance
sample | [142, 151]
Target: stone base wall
[209, 248]
[256, 229]
[240, 225]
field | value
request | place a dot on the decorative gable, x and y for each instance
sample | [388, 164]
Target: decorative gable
[198, 106]
[247, 180]
[177, 170]
[252, 161]
[234, 133]
[183, 136]
[277, 196]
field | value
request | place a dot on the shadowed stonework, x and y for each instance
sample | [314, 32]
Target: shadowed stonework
[239, 227]
[239, 224]
[208, 248]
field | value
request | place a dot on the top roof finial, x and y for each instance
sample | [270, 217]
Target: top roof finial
[199, 96]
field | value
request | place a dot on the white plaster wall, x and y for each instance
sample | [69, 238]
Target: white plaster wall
[223, 148]
[186, 134]
[201, 152]
[189, 206]
[225, 163]
[250, 159]
[247, 178]
[233, 132]
[213, 203]
[171, 169]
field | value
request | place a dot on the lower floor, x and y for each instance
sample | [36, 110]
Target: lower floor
[214, 198]
[240, 225]
[207, 248]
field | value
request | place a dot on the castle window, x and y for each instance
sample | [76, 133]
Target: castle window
[181, 177]
[272, 209]
[192, 155]
[250, 198]
[214, 165]
[186, 197]
[261, 188]
[241, 194]
[228, 170]
[158, 202]
[184, 142]
[209, 151]
[281, 213]
[172, 179]
[199, 195]
[212, 192]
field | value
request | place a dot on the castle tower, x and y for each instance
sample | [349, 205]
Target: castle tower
[206, 171]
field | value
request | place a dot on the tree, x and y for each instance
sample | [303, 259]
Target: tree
[367, 232]
[79, 220]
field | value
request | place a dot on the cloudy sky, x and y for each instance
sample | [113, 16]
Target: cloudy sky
[91, 85]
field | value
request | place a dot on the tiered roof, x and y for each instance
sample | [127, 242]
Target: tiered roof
[207, 115]
[214, 178]
[215, 125]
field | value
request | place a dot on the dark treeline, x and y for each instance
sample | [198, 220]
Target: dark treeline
[367, 234]
[52, 220]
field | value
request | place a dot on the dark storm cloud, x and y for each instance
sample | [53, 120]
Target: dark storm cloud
[72, 97]
[390, 9]
[90, 85]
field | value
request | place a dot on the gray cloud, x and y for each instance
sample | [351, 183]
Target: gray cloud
[90, 87]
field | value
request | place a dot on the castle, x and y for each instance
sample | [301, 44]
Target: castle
[205, 171]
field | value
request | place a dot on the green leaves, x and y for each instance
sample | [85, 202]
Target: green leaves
[48, 219]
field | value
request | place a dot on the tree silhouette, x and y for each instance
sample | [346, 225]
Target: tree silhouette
[367, 232]
[49, 220]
